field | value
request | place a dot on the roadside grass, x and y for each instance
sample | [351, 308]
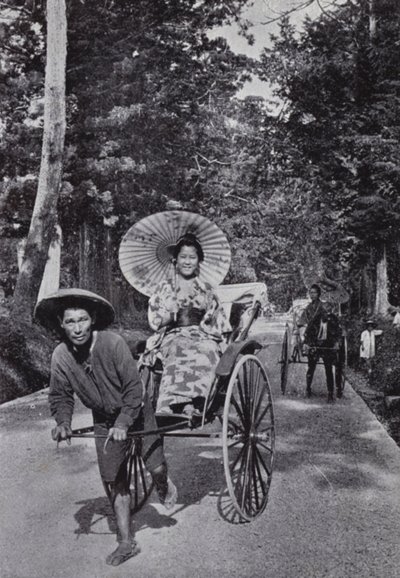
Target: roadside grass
[25, 352]
[384, 380]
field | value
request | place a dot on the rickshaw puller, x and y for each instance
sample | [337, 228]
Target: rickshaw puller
[321, 340]
[98, 367]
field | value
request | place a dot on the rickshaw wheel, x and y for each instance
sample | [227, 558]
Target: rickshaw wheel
[248, 437]
[141, 480]
[284, 360]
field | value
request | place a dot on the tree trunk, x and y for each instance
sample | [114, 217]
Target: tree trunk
[94, 265]
[84, 256]
[372, 20]
[42, 229]
[382, 290]
[108, 278]
[367, 290]
[51, 275]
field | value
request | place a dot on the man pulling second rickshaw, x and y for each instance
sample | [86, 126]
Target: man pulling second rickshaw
[98, 367]
[321, 340]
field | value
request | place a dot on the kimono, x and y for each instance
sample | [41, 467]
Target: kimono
[191, 353]
[367, 347]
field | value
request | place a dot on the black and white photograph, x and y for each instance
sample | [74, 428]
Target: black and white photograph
[199, 288]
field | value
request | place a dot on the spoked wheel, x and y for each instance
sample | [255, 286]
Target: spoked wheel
[248, 437]
[141, 480]
[341, 366]
[284, 360]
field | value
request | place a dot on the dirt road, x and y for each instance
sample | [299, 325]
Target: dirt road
[334, 508]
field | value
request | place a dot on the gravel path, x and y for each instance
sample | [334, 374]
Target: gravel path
[334, 506]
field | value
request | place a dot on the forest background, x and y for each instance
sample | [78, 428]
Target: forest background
[304, 181]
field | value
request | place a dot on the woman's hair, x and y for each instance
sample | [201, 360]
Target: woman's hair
[317, 288]
[189, 240]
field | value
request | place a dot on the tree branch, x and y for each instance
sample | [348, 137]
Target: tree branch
[297, 8]
[326, 13]
[197, 163]
[233, 196]
[20, 9]
[210, 162]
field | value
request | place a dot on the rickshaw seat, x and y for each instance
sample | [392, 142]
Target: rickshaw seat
[228, 359]
[242, 303]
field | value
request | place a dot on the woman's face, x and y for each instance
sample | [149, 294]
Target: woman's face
[187, 261]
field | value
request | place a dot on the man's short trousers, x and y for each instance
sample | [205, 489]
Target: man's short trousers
[113, 463]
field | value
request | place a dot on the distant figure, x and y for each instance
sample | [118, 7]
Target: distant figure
[367, 345]
[321, 340]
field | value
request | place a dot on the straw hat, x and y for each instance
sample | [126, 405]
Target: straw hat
[50, 308]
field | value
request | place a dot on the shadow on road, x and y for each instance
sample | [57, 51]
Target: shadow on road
[196, 470]
[93, 512]
[326, 440]
[332, 447]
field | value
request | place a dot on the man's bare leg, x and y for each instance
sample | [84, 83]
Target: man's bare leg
[121, 502]
[122, 509]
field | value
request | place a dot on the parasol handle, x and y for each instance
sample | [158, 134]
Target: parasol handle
[175, 313]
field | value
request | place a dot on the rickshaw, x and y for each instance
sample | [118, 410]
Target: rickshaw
[239, 397]
[293, 350]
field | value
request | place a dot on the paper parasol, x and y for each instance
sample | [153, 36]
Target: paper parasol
[145, 253]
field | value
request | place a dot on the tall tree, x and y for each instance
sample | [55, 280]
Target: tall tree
[147, 96]
[44, 218]
[148, 104]
[340, 135]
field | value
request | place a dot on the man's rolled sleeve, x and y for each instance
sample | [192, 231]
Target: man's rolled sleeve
[131, 386]
[61, 395]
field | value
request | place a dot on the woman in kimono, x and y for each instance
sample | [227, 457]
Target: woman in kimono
[189, 323]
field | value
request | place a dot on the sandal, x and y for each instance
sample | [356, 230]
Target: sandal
[122, 553]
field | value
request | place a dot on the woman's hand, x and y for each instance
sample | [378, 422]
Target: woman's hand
[167, 312]
[170, 304]
[167, 318]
